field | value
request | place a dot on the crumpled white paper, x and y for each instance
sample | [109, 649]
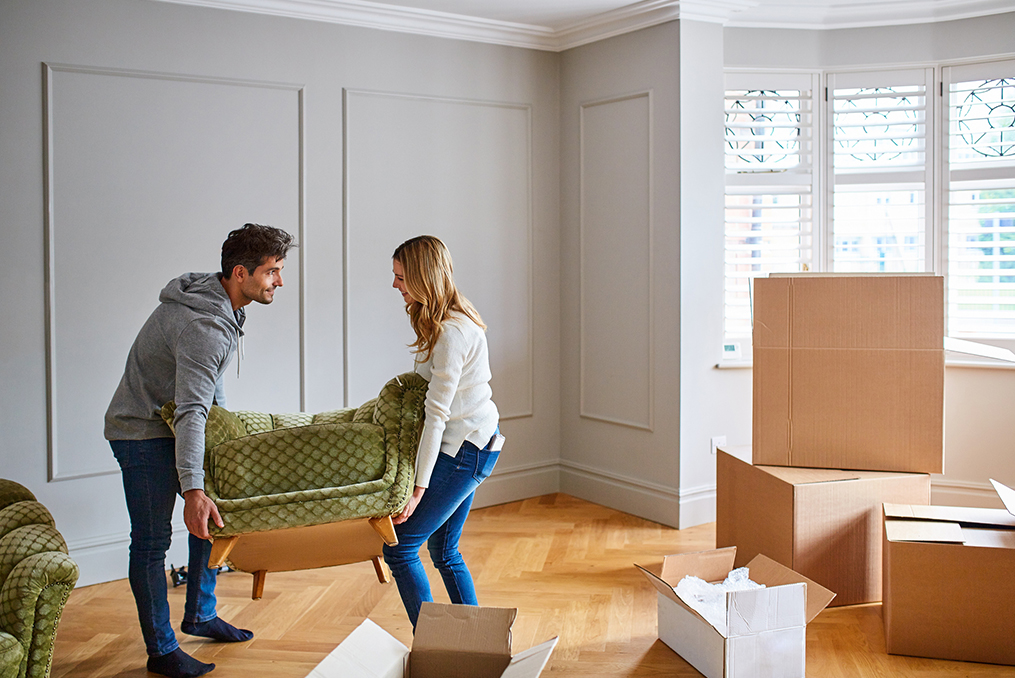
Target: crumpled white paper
[709, 600]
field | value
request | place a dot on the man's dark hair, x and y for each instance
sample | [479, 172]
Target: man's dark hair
[252, 245]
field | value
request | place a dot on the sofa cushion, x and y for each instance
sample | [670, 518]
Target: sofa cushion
[298, 459]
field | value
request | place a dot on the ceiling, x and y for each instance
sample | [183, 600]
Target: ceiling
[561, 24]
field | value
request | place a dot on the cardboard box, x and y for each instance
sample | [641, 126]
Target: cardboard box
[949, 584]
[823, 523]
[451, 641]
[849, 372]
[766, 628]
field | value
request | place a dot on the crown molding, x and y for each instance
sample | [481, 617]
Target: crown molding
[830, 15]
[456, 26]
[644, 14]
[793, 14]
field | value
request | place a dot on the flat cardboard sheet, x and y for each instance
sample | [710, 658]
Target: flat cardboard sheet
[964, 515]
[1006, 494]
[367, 652]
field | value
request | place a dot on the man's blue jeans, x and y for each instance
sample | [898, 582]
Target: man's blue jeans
[438, 520]
[151, 485]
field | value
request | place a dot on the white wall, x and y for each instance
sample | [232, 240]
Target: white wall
[709, 407]
[186, 123]
[620, 287]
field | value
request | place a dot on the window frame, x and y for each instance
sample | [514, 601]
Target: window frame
[939, 76]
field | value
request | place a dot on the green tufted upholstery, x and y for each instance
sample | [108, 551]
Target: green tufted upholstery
[36, 576]
[273, 471]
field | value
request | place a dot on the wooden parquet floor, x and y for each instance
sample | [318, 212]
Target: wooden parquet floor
[566, 564]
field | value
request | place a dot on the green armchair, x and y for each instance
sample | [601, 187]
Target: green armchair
[36, 577]
[283, 483]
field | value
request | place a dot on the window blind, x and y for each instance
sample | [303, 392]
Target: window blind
[981, 205]
[881, 170]
[769, 191]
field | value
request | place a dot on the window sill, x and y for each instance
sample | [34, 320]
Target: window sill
[974, 364]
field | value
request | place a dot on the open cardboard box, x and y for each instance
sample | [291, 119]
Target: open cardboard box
[766, 628]
[823, 523]
[949, 592]
[451, 641]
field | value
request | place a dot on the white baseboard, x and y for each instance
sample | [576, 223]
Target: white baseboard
[697, 506]
[104, 558]
[630, 495]
[518, 483]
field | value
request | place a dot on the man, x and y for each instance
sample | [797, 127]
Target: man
[181, 354]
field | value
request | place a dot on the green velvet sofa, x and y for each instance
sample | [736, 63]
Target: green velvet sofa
[36, 577]
[271, 473]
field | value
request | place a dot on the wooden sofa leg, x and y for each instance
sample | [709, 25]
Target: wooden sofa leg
[383, 575]
[386, 529]
[220, 549]
[258, 590]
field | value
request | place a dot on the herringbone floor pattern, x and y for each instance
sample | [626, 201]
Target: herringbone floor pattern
[566, 564]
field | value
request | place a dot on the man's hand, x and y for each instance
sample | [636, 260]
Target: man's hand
[197, 509]
[417, 494]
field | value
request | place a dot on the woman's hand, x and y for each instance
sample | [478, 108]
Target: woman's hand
[417, 494]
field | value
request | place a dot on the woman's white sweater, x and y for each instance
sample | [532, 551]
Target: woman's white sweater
[459, 403]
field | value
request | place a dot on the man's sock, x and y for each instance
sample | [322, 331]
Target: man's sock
[178, 664]
[217, 630]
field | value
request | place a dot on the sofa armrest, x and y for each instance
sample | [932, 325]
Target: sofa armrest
[32, 600]
[12, 655]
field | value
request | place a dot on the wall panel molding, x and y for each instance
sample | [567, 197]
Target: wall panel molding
[350, 96]
[593, 386]
[51, 229]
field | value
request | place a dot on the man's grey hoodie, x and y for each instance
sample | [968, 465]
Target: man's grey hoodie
[180, 354]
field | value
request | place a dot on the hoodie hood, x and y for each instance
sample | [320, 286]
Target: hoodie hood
[204, 293]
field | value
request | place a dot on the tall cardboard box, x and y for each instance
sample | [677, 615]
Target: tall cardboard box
[823, 523]
[764, 635]
[451, 641]
[949, 578]
[849, 372]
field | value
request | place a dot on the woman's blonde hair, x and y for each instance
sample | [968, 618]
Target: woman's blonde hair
[429, 280]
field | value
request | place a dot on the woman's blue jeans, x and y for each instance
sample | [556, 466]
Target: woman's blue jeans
[438, 520]
[151, 485]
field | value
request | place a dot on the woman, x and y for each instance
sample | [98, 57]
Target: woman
[461, 439]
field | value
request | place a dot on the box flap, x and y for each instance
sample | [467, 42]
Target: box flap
[764, 570]
[989, 538]
[1007, 495]
[448, 663]
[464, 628]
[964, 515]
[670, 593]
[660, 585]
[978, 350]
[712, 566]
[368, 652]
[803, 476]
[530, 664]
[924, 531]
